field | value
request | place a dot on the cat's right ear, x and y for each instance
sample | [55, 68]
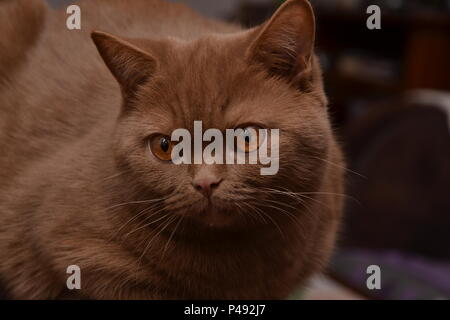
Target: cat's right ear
[130, 65]
[285, 44]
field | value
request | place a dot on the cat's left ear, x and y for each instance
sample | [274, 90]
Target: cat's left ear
[285, 44]
[130, 65]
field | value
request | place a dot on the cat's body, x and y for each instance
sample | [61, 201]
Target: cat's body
[67, 198]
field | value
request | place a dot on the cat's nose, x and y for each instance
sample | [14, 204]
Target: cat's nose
[206, 185]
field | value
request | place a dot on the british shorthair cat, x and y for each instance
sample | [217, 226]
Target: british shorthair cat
[85, 125]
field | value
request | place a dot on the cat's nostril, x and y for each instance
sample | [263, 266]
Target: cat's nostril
[206, 186]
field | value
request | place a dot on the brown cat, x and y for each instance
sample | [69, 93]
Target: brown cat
[79, 185]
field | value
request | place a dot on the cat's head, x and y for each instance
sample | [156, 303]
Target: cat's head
[266, 77]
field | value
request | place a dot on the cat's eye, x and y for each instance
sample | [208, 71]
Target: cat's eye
[253, 139]
[161, 147]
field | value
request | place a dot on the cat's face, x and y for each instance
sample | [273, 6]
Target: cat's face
[226, 82]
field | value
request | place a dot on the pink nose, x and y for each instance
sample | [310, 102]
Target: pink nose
[206, 185]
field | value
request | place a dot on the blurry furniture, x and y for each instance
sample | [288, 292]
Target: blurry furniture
[403, 203]
[402, 276]
[323, 287]
[398, 205]
[410, 51]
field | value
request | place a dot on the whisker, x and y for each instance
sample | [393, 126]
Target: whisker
[331, 194]
[287, 213]
[135, 202]
[297, 197]
[171, 236]
[117, 175]
[136, 216]
[341, 167]
[148, 224]
[170, 220]
[251, 212]
[315, 193]
[261, 212]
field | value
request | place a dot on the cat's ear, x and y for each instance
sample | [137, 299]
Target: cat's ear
[130, 65]
[285, 44]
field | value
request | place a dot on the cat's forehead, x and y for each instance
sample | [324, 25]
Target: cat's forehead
[209, 80]
[208, 66]
[202, 77]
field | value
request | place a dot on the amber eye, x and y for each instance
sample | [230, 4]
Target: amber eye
[252, 139]
[161, 147]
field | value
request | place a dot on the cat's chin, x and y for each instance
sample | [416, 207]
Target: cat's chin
[216, 213]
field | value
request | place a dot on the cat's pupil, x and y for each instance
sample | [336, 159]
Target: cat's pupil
[165, 144]
[247, 136]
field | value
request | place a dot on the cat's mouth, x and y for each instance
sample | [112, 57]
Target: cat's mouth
[215, 212]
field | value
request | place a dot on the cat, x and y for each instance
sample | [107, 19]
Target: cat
[81, 186]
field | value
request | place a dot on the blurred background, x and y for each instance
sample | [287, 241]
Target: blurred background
[389, 93]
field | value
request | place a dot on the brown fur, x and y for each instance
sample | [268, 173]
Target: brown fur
[74, 168]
